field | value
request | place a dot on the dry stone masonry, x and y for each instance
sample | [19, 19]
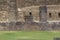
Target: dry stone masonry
[29, 15]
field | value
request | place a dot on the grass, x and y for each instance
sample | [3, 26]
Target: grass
[21, 35]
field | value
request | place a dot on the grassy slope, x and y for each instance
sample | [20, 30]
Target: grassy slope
[28, 35]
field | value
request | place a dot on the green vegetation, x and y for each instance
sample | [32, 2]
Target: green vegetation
[38, 35]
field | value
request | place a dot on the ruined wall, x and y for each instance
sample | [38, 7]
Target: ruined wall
[54, 10]
[25, 3]
[20, 11]
[28, 6]
[3, 11]
[3, 16]
[20, 17]
[31, 6]
[34, 11]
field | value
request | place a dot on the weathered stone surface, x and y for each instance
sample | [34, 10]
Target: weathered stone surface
[15, 13]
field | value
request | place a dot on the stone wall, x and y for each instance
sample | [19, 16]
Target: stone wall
[25, 3]
[24, 15]
[53, 9]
